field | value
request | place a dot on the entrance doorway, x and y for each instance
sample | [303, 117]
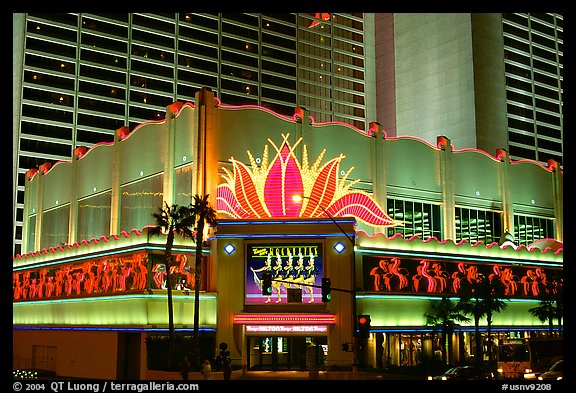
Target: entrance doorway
[286, 352]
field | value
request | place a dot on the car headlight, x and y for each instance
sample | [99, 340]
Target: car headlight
[430, 378]
[529, 376]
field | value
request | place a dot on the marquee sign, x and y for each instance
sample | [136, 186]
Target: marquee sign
[287, 188]
[286, 329]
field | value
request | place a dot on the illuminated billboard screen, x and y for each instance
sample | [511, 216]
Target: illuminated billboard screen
[294, 267]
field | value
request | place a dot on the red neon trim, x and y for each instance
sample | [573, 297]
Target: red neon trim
[548, 168]
[252, 106]
[286, 319]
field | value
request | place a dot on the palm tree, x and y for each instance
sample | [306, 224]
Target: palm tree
[492, 292]
[482, 297]
[203, 214]
[550, 306]
[445, 314]
[172, 220]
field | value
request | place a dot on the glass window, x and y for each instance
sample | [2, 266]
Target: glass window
[478, 225]
[139, 201]
[45, 147]
[528, 229]
[94, 216]
[420, 219]
[55, 227]
[46, 130]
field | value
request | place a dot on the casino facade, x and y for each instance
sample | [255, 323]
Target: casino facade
[395, 223]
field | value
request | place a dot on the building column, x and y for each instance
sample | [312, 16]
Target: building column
[507, 205]
[26, 246]
[205, 175]
[42, 170]
[447, 180]
[115, 201]
[73, 220]
[558, 189]
[380, 177]
[169, 179]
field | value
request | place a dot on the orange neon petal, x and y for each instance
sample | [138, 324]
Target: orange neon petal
[361, 206]
[245, 191]
[323, 190]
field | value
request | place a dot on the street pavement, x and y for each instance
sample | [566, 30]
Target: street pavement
[321, 375]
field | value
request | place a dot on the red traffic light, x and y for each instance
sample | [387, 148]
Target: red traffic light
[363, 325]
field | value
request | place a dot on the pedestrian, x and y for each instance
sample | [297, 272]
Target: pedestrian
[206, 369]
[226, 368]
[184, 367]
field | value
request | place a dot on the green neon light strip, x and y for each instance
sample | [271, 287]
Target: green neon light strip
[110, 298]
[417, 297]
[460, 258]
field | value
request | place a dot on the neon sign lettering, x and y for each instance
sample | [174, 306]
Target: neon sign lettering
[286, 329]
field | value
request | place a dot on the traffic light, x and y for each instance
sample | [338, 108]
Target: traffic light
[363, 325]
[266, 283]
[326, 296]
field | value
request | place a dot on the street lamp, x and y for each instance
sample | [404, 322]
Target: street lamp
[298, 198]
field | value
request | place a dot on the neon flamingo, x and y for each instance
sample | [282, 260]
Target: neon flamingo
[59, 282]
[386, 275]
[417, 278]
[457, 276]
[77, 284]
[26, 285]
[33, 289]
[472, 275]
[159, 272]
[141, 275]
[401, 273]
[431, 280]
[439, 275]
[89, 283]
[17, 290]
[42, 282]
[49, 286]
[376, 273]
[496, 273]
[539, 282]
[185, 271]
[68, 285]
[508, 279]
[527, 281]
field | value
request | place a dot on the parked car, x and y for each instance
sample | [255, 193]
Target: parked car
[463, 373]
[554, 372]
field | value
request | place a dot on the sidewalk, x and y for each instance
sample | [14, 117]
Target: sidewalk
[321, 375]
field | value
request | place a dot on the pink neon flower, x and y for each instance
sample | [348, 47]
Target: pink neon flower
[272, 190]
